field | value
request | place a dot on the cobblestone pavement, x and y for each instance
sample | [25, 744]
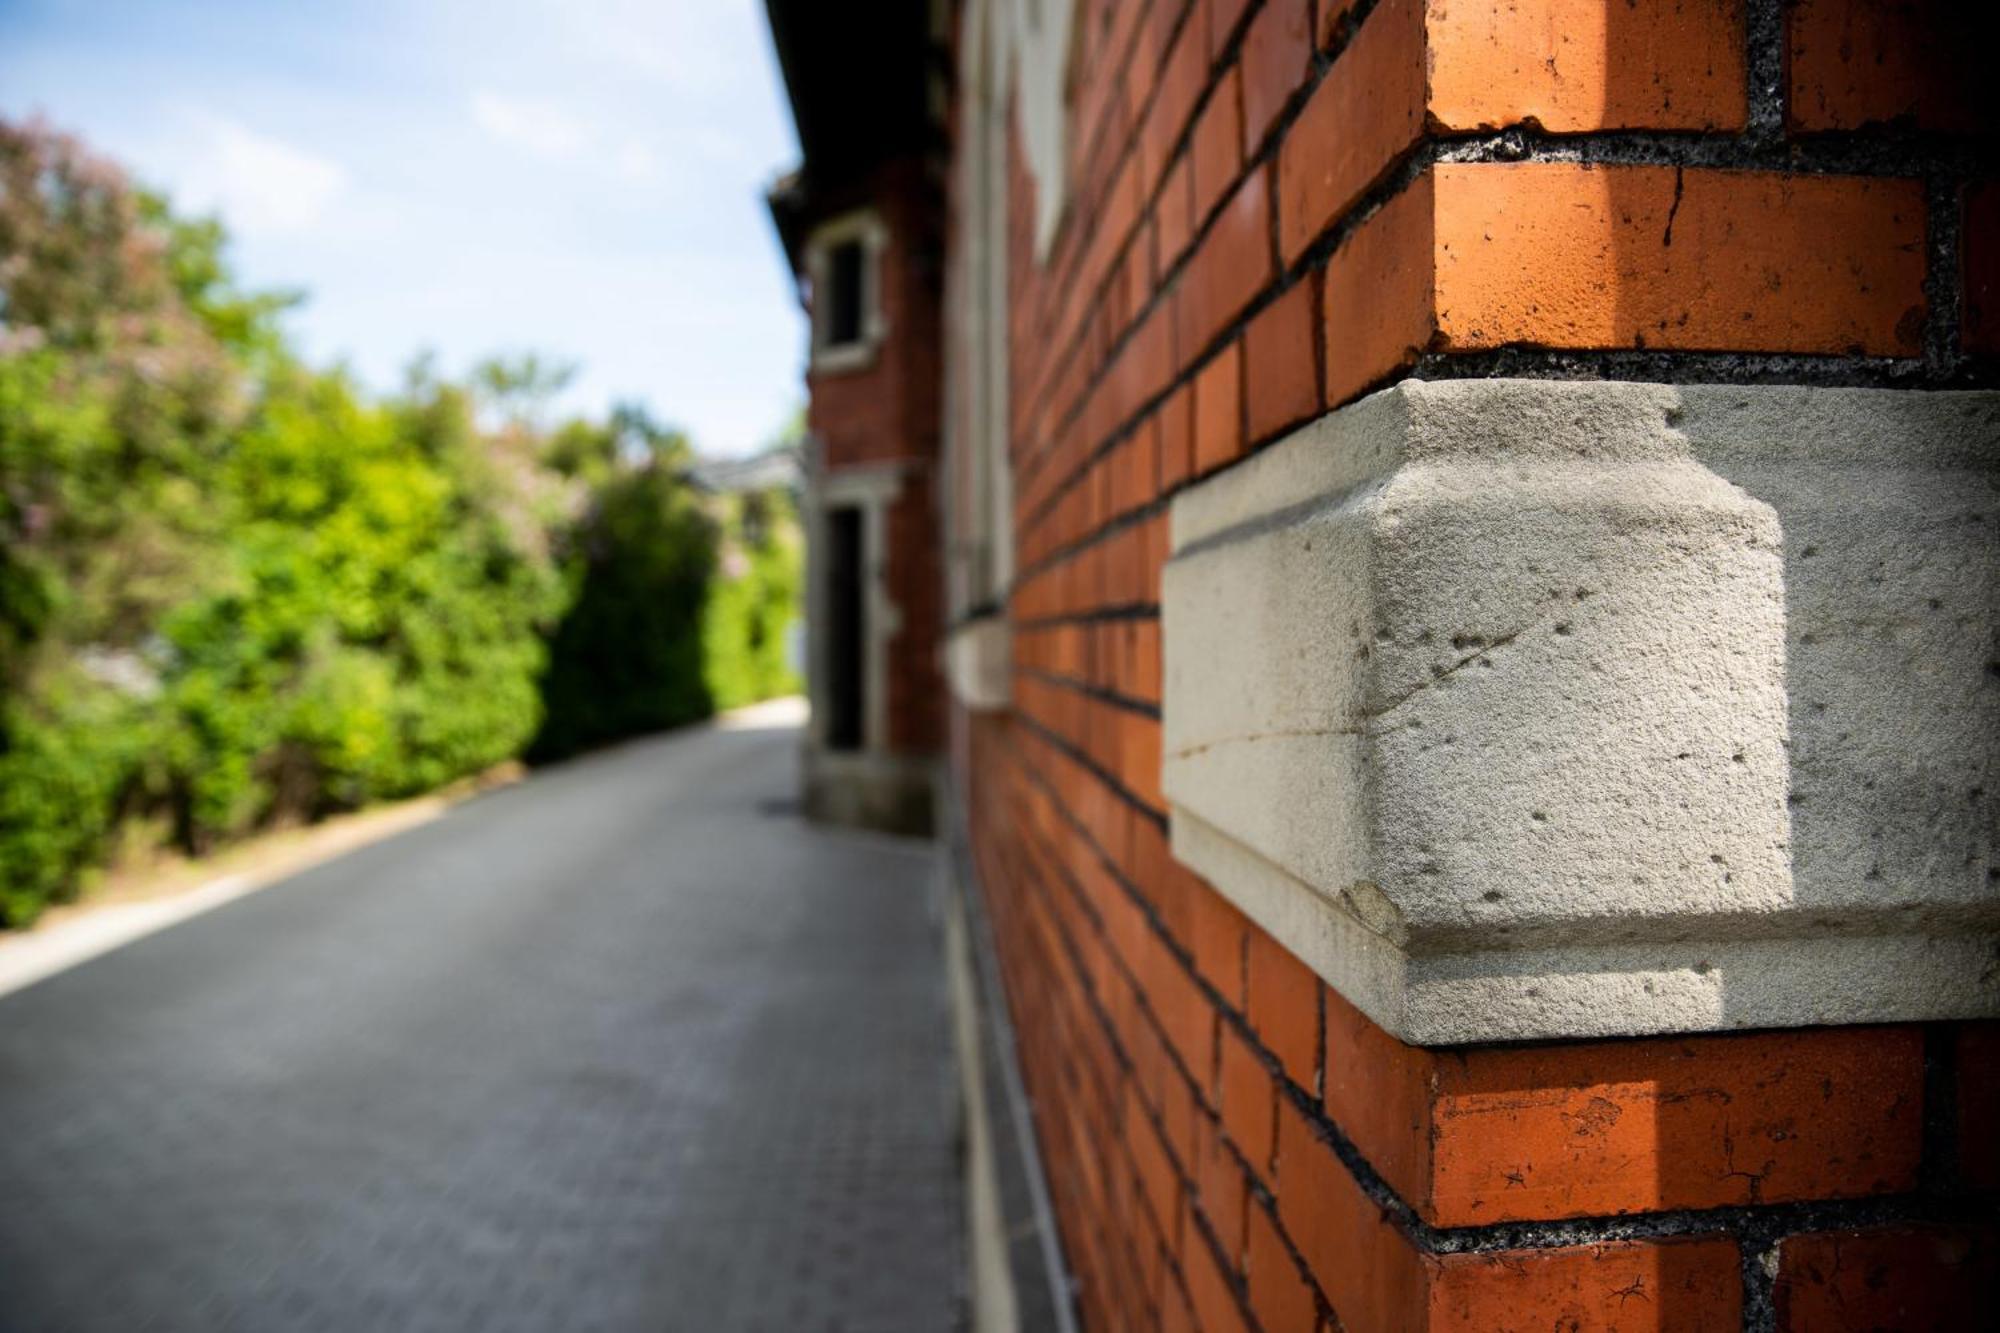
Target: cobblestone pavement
[625, 1047]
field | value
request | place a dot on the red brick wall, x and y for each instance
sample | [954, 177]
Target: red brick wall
[1272, 208]
[890, 412]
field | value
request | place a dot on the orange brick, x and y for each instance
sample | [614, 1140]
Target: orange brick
[1859, 62]
[1277, 51]
[1174, 212]
[1368, 1270]
[1231, 265]
[1566, 255]
[1181, 81]
[1380, 294]
[1981, 258]
[1365, 114]
[1284, 1008]
[1378, 1091]
[1976, 1053]
[1702, 1122]
[1279, 1294]
[1159, 1182]
[1176, 438]
[1249, 1101]
[1218, 929]
[1218, 410]
[1281, 364]
[1223, 16]
[1672, 1286]
[1217, 146]
[1211, 1291]
[1575, 65]
[1222, 1187]
[1904, 1278]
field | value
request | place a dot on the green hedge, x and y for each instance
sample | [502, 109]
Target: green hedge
[236, 590]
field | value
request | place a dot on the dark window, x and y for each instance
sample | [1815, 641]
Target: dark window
[846, 628]
[844, 294]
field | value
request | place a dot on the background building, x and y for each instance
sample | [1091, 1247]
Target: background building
[1460, 540]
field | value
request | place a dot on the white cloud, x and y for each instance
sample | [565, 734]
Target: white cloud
[542, 128]
[260, 184]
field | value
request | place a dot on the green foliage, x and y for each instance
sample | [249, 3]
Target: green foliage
[627, 657]
[755, 603]
[236, 590]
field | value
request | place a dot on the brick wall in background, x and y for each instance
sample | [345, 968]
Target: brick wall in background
[1273, 208]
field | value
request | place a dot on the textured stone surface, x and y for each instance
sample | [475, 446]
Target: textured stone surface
[626, 1047]
[1530, 709]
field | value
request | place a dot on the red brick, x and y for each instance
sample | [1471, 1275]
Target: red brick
[1249, 1102]
[1980, 229]
[1218, 410]
[1567, 255]
[1217, 147]
[1277, 51]
[1181, 82]
[1364, 115]
[1976, 1056]
[1378, 1092]
[1218, 929]
[1907, 1279]
[1284, 1008]
[1176, 438]
[1368, 1270]
[1279, 1293]
[1159, 1182]
[1211, 1291]
[1575, 65]
[1852, 63]
[1174, 212]
[1223, 16]
[1670, 1286]
[1380, 295]
[1700, 1122]
[1231, 265]
[1281, 363]
[1221, 1185]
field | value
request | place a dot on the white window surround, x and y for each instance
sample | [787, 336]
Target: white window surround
[871, 488]
[1042, 32]
[866, 227]
[1527, 710]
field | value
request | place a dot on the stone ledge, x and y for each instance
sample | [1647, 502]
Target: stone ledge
[1529, 709]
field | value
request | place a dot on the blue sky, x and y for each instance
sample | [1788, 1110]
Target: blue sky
[581, 178]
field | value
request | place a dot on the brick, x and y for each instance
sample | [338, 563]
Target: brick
[1223, 16]
[1279, 1293]
[1176, 438]
[1368, 1270]
[1159, 1182]
[1181, 82]
[1380, 302]
[1218, 929]
[1284, 1008]
[1231, 265]
[1852, 63]
[1669, 1286]
[1174, 213]
[1908, 1279]
[1576, 65]
[1980, 227]
[1216, 150]
[1281, 364]
[1567, 255]
[1277, 52]
[1378, 1092]
[1365, 114]
[1221, 1187]
[1218, 410]
[1211, 1291]
[1976, 1056]
[1249, 1101]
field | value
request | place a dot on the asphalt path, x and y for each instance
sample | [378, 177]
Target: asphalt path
[625, 1046]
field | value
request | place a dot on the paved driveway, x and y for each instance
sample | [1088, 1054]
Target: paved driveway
[627, 1046]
